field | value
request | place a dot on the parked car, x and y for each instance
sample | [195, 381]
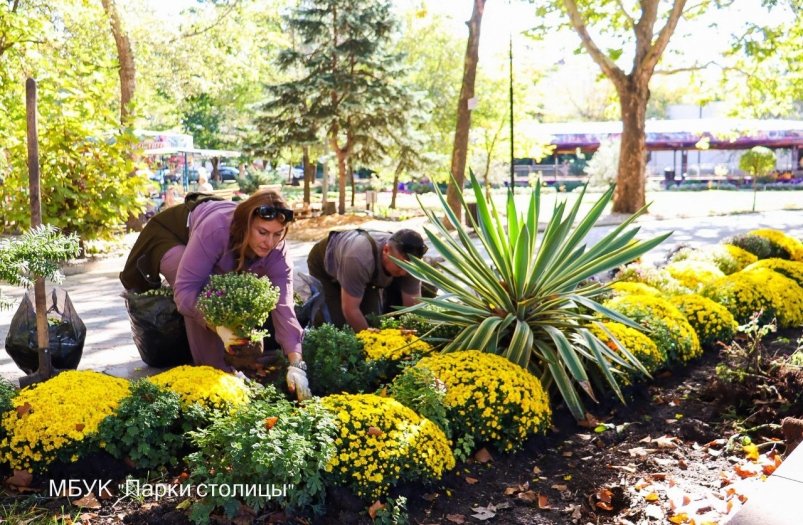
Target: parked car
[228, 173]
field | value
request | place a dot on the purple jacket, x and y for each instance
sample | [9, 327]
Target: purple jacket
[208, 253]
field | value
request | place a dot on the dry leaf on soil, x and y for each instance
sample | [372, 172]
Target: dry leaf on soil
[88, 502]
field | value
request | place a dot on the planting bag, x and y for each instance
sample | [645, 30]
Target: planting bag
[310, 291]
[66, 333]
[158, 330]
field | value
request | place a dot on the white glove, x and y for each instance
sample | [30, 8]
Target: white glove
[228, 337]
[297, 382]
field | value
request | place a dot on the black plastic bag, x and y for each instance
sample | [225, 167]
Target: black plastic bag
[66, 334]
[158, 329]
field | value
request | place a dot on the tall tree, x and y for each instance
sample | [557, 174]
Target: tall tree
[125, 56]
[347, 83]
[650, 39]
[460, 148]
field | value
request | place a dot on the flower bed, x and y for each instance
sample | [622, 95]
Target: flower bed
[59, 418]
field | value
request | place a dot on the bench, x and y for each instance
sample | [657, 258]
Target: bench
[225, 194]
[271, 187]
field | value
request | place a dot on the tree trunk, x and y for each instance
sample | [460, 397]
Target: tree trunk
[351, 182]
[215, 175]
[309, 173]
[126, 58]
[395, 190]
[460, 148]
[629, 195]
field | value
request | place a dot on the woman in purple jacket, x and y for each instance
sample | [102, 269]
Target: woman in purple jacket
[220, 237]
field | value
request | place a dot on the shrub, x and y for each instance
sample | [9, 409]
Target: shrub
[658, 278]
[204, 387]
[145, 428]
[741, 258]
[667, 326]
[742, 296]
[790, 269]
[419, 389]
[509, 298]
[638, 344]
[7, 395]
[269, 443]
[381, 442]
[760, 288]
[428, 330]
[489, 398]
[59, 419]
[759, 246]
[694, 274]
[392, 344]
[239, 301]
[711, 321]
[336, 361]
[782, 244]
[633, 288]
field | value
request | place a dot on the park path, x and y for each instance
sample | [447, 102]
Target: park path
[95, 289]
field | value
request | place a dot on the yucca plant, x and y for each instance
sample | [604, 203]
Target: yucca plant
[529, 300]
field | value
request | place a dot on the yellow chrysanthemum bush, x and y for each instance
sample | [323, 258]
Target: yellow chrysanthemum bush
[791, 269]
[694, 274]
[204, 388]
[489, 398]
[783, 242]
[638, 344]
[711, 321]
[59, 418]
[760, 289]
[727, 257]
[393, 344]
[667, 326]
[658, 278]
[380, 442]
[633, 288]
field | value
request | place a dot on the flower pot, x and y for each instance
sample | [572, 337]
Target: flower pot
[244, 355]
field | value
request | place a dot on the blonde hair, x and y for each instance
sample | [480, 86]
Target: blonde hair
[243, 218]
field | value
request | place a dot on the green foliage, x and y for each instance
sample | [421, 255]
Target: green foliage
[745, 355]
[418, 389]
[759, 246]
[393, 513]
[432, 332]
[252, 180]
[757, 161]
[238, 301]
[336, 361]
[85, 160]
[527, 303]
[145, 428]
[266, 443]
[36, 253]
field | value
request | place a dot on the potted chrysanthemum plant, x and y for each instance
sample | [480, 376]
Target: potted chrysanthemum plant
[237, 305]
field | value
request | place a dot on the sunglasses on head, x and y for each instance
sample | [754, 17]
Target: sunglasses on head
[270, 213]
[414, 249]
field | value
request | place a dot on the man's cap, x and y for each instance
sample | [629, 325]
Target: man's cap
[409, 242]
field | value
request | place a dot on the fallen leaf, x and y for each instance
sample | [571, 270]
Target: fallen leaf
[23, 410]
[483, 456]
[604, 494]
[88, 502]
[589, 421]
[679, 518]
[87, 516]
[374, 508]
[751, 451]
[536, 471]
[665, 442]
[654, 511]
[20, 478]
[79, 427]
[430, 497]
[652, 496]
[567, 454]
[543, 502]
[374, 431]
[604, 505]
[511, 490]
[640, 452]
[529, 496]
[184, 504]
[456, 518]
[471, 481]
[270, 422]
[484, 513]
[560, 487]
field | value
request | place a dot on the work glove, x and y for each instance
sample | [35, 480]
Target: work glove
[298, 383]
[228, 338]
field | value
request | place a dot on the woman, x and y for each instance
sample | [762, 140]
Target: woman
[203, 236]
[203, 185]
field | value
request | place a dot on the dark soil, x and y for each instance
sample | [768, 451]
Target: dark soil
[675, 450]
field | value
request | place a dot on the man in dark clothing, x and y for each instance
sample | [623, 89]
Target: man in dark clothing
[359, 276]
